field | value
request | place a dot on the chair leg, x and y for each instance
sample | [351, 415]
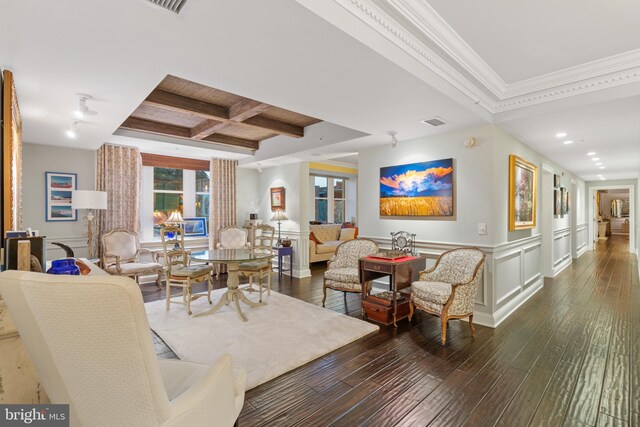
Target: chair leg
[411, 308]
[159, 279]
[217, 271]
[168, 289]
[260, 286]
[473, 331]
[209, 287]
[444, 330]
[189, 294]
[344, 294]
[324, 294]
[269, 282]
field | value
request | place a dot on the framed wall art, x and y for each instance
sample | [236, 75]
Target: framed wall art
[523, 181]
[417, 189]
[556, 181]
[277, 199]
[194, 227]
[557, 202]
[565, 201]
[59, 196]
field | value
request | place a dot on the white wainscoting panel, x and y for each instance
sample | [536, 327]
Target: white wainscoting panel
[582, 233]
[561, 249]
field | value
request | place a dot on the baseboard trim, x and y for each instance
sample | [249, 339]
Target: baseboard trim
[558, 269]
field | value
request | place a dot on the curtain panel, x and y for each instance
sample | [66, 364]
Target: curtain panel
[119, 174]
[222, 203]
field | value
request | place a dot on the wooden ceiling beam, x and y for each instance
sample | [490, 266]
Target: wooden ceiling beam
[276, 126]
[247, 111]
[182, 104]
[206, 128]
[247, 108]
[143, 125]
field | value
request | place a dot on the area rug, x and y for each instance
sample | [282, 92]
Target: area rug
[281, 335]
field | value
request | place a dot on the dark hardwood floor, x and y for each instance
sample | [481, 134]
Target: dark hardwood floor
[570, 356]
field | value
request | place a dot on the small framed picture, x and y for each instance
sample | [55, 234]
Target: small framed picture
[277, 199]
[556, 181]
[59, 193]
[195, 227]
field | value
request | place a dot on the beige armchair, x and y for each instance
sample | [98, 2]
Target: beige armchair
[343, 268]
[231, 237]
[123, 256]
[90, 342]
[178, 271]
[448, 290]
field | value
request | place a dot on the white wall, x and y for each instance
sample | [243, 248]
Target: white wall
[295, 179]
[247, 191]
[38, 159]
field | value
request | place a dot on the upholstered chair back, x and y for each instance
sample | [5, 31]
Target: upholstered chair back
[349, 253]
[457, 266]
[232, 238]
[326, 232]
[122, 243]
[89, 339]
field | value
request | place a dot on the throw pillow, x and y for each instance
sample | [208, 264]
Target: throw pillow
[347, 234]
[312, 236]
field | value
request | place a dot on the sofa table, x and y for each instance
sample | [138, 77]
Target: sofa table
[283, 252]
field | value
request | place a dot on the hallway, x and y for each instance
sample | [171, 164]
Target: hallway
[569, 356]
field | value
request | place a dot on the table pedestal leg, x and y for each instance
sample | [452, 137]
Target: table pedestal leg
[233, 294]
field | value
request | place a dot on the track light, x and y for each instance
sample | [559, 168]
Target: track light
[83, 110]
[71, 132]
[394, 139]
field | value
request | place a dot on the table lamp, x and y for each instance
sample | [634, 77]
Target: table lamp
[279, 216]
[175, 220]
[89, 200]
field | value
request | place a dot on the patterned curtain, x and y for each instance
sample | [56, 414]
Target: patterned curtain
[119, 174]
[222, 203]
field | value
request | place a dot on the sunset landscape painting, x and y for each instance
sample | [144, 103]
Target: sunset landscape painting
[417, 189]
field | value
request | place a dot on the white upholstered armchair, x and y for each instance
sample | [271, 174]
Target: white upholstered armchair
[90, 342]
[231, 237]
[343, 268]
[122, 256]
[448, 290]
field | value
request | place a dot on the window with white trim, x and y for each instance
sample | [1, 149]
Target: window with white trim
[330, 199]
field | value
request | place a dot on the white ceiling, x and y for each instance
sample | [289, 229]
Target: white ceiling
[524, 39]
[351, 63]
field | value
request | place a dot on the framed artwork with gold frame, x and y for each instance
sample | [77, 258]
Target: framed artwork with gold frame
[277, 199]
[523, 182]
[11, 156]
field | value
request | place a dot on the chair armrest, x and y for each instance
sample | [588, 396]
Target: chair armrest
[211, 398]
[331, 260]
[312, 246]
[117, 263]
[145, 253]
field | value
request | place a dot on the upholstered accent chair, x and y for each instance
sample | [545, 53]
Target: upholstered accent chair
[449, 288]
[342, 272]
[263, 243]
[123, 256]
[231, 237]
[178, 271]
[90, 342]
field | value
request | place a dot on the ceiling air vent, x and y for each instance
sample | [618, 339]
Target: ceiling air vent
[174, 6]
[434, 121]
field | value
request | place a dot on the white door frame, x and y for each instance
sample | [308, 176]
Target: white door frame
[546, 219]
[632, 213]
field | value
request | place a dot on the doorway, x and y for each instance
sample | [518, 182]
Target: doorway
[612, 214]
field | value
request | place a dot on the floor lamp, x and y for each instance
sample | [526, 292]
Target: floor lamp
[279, 216]
[89, 200]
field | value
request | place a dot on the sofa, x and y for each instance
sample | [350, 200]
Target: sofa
[324, 239]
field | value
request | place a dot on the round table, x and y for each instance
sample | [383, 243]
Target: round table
[232, 258]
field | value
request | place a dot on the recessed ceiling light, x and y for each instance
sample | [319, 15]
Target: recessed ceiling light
[595, 159]
[561, 134]
[599, 164]
[602, 178]
[601, 167]
[591, 153]
[568, 142]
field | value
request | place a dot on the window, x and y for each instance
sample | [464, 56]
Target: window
[165, 190]
[168, 195]
[329, 199]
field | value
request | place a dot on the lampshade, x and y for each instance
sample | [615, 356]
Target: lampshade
[175, 218]
[87, 199]
[279, 216]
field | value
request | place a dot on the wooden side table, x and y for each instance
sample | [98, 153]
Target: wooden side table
[283, 252]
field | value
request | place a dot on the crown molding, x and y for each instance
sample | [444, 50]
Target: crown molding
[492, 93]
